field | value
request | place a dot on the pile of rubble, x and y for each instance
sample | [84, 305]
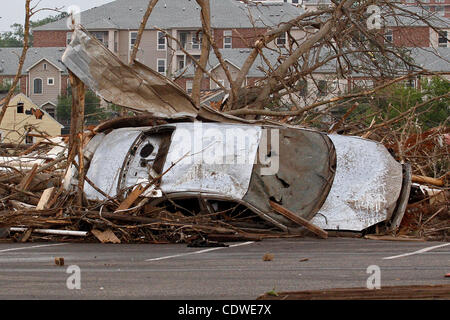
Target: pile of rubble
[36, 207]
[154, 178]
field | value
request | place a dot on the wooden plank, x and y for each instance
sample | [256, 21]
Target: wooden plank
[427, 180]
[399, 292]
[26, 235]
[26, 181]
[18, 205]
[76, 131]
[128, 202]
[391, 238]
[105, 236]
[299, 220]
[45, 198]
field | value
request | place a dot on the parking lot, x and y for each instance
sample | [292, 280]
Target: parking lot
[28, 271]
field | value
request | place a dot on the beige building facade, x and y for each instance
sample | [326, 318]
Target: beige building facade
[26, 123]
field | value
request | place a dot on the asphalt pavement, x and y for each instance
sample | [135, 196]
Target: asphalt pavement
[174, 271]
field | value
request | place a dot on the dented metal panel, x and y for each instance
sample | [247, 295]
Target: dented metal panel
[303, 179]
[106, 164]
[136, 87]
[216, 158]
[366, 186]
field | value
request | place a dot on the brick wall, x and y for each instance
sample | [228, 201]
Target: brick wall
[241, 38]
[412, 36]
[64, 84]
[49, 38]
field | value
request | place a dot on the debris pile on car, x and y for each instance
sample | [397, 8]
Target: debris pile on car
[35, 206]
[179, 173]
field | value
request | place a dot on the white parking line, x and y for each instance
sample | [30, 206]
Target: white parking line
[417, 252]
[201, 251]
[33, 247]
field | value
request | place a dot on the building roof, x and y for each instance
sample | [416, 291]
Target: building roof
[9, 59]
[413, 16]
[167, 14]
[237, 58]
[431, 59]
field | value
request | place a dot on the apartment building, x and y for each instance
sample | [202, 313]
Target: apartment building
[174, 29]
[440, 7]
[173, 35]
[43, 77]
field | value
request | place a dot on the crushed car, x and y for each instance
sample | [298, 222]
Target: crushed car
[201, 155]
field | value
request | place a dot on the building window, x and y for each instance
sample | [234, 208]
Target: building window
[20, 107]
[50, 81]
[389, 35]
[196, 40]
[227, 40]
[37, 86]
[162, 66]
[189, 86]
[322, 86]
[45, 66]
[440, 10]
[216, 86]
[116, 43]
[133, 36]
[443, 39]
[68, 37]
[303, 88]
[181, 64]
[100, 36]
[161, 41]
[281, 40]
[410, 83]
[29, 139]
[50, 111]
[7, 83]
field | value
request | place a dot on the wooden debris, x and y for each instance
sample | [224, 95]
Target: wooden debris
[128, 202]
[59, 261]
[268, 257]
[303, 260]
[45, 198]
[427, 180]
[392, 238]
[299, 220]
[25, 183]
[18, 205]
[385, 293]
[26, 235]
[105, 236]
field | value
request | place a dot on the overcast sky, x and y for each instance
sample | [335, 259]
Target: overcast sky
[13, 11]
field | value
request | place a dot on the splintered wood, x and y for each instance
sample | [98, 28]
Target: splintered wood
[299, 220]
[106, 236]
[385, 293]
